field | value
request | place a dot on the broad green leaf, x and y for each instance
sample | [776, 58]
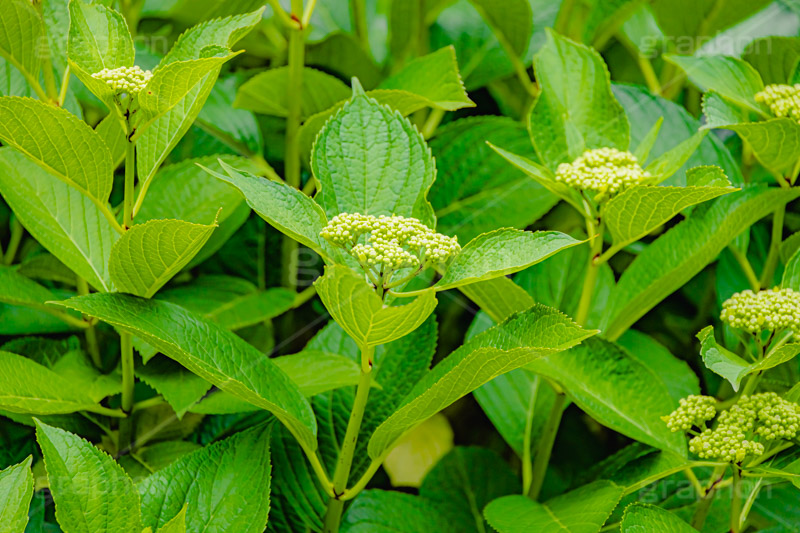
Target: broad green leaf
[775, 142]
[498, 297]
[791, 274]
[29, 388]
[91, 491]
[158, 140]
[379, 511]
[644, 109]
[233, 303]
[16, 289]
[359, 310]
[223, 487]
[370, 160]
[501, 252]
[677, 375]
[675, 257]
[629, 400]
[576, 110]
[16, 490]
[149, 254]
[638, 210]
[464, 481]
[720, 112]
[511, 21]
[76, 367]
[521, 339]
[171, 83]
[268, 92]
[40, 131]
[213, 353]
[185, 191]
[646, 518]
[729, 77]
[775, 58]
[435, 77]
[18, 320]
[114, 137]
[703, 18]
[514, 400]
[672, 160]
[12, 82]
[732, 367]
[647, 142]
[64, 221]
[21, 32]
[177, 524]
[98, 39]
[583, 510]
[342, 54]
[179, 387]
[284, 207]
[237, 128]
[475, 190]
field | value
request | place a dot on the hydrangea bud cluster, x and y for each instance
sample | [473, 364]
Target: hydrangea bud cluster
[128, 80]
[389, 242]
[774, 309]
[782, 100]
[605, 171]
[694, 410]
[742, 429]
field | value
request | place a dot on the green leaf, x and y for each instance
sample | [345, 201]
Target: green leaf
[29, 388]
[732, 367]
[359, 310]
[498, 297]
[464, 481]
[268, 92]
[98, 39]
[629, 400]
[500, 252]
[475, 190]
[583, 510]
[177, 524]
[318, 372]
[704, 18]
[21, 31]
[223, 487]
[775, 142]
[91, 491]
[791, 274]
[675, 257]
[16, 289]
[775, 58]
[172, 82]
[576, 110]
[61, 219]
[379, 511]
[149, 254]
[179, 387]
[435, 77]
[370, 160]
[521, 339]
[511, 21]
[237, 128]
[284, 207]
[160, 137]
[40, 131]
[513, 400]
[645, 518]
[215, 354]
[672, 160]
[729, 77]
[16, 490]
[342, 54]
[639, 210]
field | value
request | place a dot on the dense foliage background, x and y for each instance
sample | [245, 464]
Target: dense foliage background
[307, 94]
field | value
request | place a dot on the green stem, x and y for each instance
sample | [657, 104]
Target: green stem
[292, 153]
[358, 15]
[545, 447]
[62, 95]
[774, 247]
[736, 500]
[527, 467]
[130, 177]
[746, 267]
[432, 122]
[92, 345]
[126, 355]
[342, 473]
[751, 384]
[701, 512]
[592, 270]
[13, 244]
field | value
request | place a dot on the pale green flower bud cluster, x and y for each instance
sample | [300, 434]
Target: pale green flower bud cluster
[389, 242]
[774, 309]
[694, 410]
[128, 80]
[605, 171]
[741, 430]
[782, 100]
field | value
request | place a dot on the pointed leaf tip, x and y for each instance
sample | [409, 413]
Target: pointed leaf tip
[358, 90]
